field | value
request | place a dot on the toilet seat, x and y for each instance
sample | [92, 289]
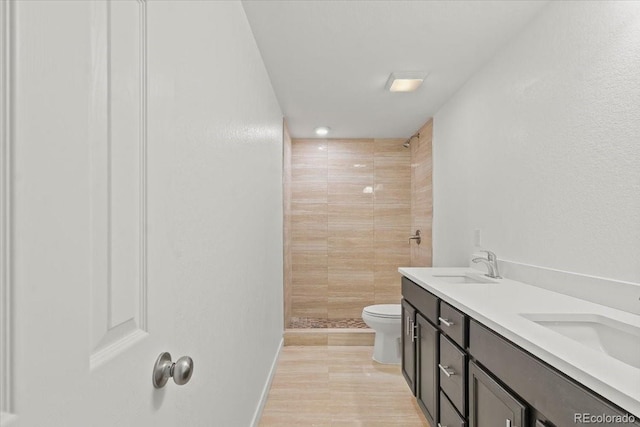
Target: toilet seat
[384, 311]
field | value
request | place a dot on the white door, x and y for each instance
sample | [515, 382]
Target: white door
[141, 213]
[85, 325]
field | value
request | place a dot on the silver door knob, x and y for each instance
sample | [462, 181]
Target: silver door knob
[164, 369]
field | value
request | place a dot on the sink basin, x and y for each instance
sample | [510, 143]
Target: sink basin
[616, 339]
[464, 278]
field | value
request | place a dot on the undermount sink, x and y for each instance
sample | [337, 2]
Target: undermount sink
[464, 278]
[616, 339]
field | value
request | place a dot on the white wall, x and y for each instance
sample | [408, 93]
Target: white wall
[540, 150]
[214, 114]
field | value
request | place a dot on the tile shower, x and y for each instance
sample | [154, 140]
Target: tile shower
[347, 223]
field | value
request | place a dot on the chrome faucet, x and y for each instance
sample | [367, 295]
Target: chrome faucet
[492, 264]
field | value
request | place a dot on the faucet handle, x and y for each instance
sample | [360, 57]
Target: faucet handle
[490, 255]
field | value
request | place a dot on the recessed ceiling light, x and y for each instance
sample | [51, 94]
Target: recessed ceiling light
[405, 81]
[322, 130]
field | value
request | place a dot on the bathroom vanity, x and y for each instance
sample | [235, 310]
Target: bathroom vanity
[479, 353]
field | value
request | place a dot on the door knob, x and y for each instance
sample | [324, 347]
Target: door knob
[416, 237]
[164, 368]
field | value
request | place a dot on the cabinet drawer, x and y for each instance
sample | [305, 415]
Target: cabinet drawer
[424, 301]
[453, 374]
[449, 417]
[453, 323]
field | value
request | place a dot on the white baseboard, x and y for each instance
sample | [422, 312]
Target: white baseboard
[267, 386]
[7, 419]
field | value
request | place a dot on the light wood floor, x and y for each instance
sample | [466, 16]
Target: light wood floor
[338, 386]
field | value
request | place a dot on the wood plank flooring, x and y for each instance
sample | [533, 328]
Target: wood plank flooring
[338, 386]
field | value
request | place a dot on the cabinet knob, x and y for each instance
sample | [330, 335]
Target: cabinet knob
[164, 369]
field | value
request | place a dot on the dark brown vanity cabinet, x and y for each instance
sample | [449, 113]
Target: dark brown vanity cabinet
[420, 344]
[408, 345]
[490, 405]
[427, 368]
[464, 374]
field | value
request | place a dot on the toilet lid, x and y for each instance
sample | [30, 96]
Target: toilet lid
[384, 310]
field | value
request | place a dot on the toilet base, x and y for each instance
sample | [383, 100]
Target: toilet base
[387, 349]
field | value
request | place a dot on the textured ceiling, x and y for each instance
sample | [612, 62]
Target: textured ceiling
[329, 60]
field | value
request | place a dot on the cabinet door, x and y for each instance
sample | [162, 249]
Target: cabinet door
[490, 404]
[408, 345]
[427, 368]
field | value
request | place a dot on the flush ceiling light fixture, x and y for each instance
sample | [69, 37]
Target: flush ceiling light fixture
[322, 130]
[405, 81]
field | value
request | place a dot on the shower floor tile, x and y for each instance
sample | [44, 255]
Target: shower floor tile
[320, 323]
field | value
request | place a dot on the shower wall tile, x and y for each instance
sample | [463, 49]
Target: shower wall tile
[308, 148]
[392, 215]
[387, 146]
[350, 216]
[392, 193]
[393, 167]
[366, 215]
[349, 306]
[422, 195]
[353, 148]
[309, 172]
[309, 192]
[348, 166]
[350, 193]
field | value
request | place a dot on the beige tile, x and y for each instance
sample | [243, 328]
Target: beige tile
[391, 215]
[387, 297]
[393, 234]
[397, 246]
[311, 240]
[309, 261]
[351, 338]
[343, 305]
[385, 146]
[360, 277]
[392, 193]
[350, 193]
[349, 216]
[356, 260]
[308, 171]
[352, 148]
[318, 309]
[305, 338]
[309, 192]
[350, 167]
[309, 148]
[360, 392]
[314, 265]
[393, 168]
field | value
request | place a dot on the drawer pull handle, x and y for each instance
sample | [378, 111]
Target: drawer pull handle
[446, 322]
[445, 369]
[413, 330]
[440, 425]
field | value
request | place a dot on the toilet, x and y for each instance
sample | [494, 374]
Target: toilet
[385, 320]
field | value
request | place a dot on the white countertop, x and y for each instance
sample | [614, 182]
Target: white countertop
[499, 305]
